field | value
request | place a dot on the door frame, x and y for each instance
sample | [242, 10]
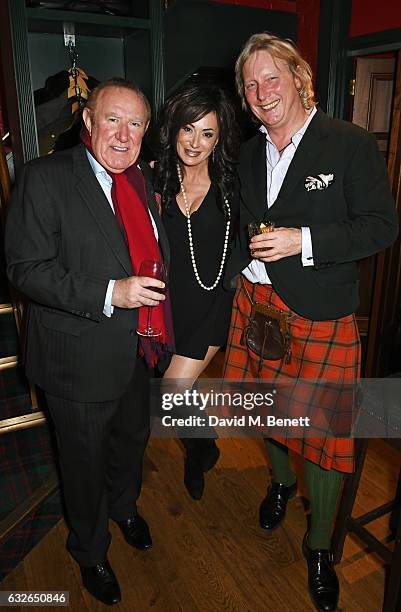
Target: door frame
[387, 284]
[334, 73]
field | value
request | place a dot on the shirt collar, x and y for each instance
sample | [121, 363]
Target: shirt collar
[296, 138]
[98, 168]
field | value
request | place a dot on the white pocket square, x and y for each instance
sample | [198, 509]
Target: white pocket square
[321, 181]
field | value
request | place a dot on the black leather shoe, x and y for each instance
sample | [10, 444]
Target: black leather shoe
[322, 578]
[273, 507]
[193, 477]
[101, 582]
[136, 532]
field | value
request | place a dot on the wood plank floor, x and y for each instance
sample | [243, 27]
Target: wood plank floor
[211, 555]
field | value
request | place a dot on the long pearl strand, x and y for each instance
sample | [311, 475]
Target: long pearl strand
[191, 245]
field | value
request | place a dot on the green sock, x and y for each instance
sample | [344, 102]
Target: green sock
[278, 455]
[323, 487]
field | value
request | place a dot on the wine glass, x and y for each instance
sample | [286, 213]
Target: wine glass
[152, 269]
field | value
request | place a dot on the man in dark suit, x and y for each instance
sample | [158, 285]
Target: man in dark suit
[81, 223]
[323, 183]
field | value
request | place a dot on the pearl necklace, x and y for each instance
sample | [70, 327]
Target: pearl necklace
[191, 245]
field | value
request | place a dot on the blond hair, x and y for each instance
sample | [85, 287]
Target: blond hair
[282, 49]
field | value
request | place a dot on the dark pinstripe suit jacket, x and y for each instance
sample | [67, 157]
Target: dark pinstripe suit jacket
[63, 245]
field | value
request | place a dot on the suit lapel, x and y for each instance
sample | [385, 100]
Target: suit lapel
[94, 198]
[258, 204]
[309, 150]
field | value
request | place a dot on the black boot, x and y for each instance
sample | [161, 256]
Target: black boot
[193, 476]
[210, 455]
[201, 456]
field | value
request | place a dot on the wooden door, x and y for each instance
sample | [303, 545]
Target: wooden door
[374, 83]
[372, 108]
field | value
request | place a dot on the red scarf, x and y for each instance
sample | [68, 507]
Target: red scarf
[128, 194]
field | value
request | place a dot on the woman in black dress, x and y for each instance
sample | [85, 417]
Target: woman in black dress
[195, 176]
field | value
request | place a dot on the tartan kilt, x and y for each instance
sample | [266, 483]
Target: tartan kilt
[321, 351]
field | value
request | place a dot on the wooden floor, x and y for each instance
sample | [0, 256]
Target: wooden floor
[211, 555]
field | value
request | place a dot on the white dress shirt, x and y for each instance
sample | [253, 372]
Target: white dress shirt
[106, 182]
[277, 166]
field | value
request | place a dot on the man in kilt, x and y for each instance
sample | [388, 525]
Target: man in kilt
[323, 183]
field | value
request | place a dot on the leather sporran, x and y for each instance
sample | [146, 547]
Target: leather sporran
[267, 333]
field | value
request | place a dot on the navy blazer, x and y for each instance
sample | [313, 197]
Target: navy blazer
[352, 218]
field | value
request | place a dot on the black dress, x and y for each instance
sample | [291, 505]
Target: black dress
[200, 318]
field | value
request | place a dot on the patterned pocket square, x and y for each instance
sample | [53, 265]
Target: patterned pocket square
[321, 181]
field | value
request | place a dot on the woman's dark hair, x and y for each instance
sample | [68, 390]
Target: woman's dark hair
[191, 103]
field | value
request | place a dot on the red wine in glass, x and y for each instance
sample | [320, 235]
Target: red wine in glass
[152, 269]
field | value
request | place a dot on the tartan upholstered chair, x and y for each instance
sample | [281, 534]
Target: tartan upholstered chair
[17, 306]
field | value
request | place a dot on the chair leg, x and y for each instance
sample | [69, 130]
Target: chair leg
[348, 495]
[392, 595]
[395, 516]
[34, 398]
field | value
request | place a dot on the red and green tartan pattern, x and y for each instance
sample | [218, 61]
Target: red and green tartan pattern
[26, 461]
[26, 455]
[326, 352]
